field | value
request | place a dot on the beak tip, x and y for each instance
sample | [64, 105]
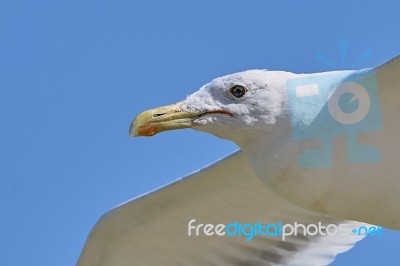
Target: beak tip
[132, 130]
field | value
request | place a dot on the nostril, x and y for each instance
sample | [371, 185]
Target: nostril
[157, 115]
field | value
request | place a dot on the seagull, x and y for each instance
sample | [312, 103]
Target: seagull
[317, 148]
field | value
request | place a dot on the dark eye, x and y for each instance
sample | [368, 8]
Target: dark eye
[238, 91]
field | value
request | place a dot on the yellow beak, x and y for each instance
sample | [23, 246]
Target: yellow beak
[160, 119]
[165, 118]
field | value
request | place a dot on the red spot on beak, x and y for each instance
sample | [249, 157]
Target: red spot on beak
[147, 130]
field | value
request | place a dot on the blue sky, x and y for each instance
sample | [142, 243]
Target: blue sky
[74, 73]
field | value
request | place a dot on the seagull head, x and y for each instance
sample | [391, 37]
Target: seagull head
[233, 107]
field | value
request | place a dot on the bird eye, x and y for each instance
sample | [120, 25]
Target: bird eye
[238, 91]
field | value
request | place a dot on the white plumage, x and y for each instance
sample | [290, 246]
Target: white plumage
[263, 181]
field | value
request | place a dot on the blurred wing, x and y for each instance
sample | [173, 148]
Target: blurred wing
[376, 185]
[388, 79]
[153, 229]
[363, 183]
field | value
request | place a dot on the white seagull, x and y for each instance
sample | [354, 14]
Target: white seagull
[306, 156]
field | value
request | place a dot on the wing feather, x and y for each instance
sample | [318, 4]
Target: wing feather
[153, 229]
